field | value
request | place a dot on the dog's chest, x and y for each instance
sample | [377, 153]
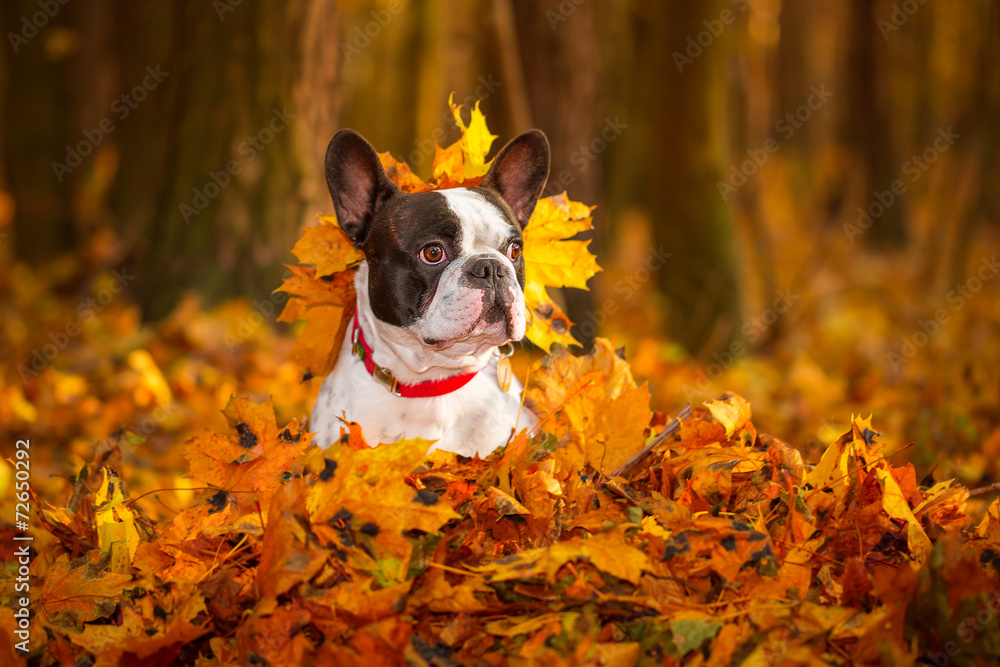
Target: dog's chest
[474, 419]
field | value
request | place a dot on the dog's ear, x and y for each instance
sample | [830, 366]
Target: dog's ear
[358, 183]
[519, 172]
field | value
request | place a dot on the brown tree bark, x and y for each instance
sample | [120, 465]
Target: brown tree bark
[677, 152]
[200, 126]
[557, 48]
[236, 165]
[38, 124]
[868, 127]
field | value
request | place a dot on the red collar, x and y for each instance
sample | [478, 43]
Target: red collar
[385, 377]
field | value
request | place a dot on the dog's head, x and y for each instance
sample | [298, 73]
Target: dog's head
[445, 265]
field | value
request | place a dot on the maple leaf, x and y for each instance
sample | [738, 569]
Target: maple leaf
[988, 528]
[248, 461]
[116, 532]
[321, 294]
[326, 248]
[274, 638]
[288, 555]
[550, 260]
[400, 173]
[464, 160]
[366, 490]
[895, 506]
[140, 636]
[596, 401]
[831, 478]
[81, 590]
[731, 411]
[606, 551]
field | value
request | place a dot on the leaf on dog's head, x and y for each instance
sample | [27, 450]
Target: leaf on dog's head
[551, 260]
[475, 142]
[321, 294]
[327, 248]
[321, 289]
[400, 173]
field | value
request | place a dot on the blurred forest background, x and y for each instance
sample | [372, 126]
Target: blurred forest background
[792, 196]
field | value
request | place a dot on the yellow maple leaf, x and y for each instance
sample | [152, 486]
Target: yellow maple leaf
[607, 551]
[116, 531]
[475, 142]
[321, 294]
[327, 248]
[895, 505]
[732, 411]
[989, 528]
[548, 324]
[833, 474]
[551, 260]
[448, 170]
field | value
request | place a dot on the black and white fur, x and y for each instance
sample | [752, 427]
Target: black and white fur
[431, 321]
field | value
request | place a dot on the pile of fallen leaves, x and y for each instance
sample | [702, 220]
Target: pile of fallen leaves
[718, 547]
[611, 535]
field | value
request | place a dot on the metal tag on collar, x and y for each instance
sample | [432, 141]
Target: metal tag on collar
[356, 348]
[505, 374]
[387, 379]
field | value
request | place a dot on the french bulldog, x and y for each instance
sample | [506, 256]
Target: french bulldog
[440, 299]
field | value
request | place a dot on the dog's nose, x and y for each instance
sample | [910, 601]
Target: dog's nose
[489, 270]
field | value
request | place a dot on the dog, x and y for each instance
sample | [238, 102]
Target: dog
[440, 299]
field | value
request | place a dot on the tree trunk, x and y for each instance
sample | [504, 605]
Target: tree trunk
[557, 47]
[685, 104]
[219, 173]
[38, 124]
[869, 129]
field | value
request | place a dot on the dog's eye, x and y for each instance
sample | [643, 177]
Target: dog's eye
[514, 250]
[433, 254]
